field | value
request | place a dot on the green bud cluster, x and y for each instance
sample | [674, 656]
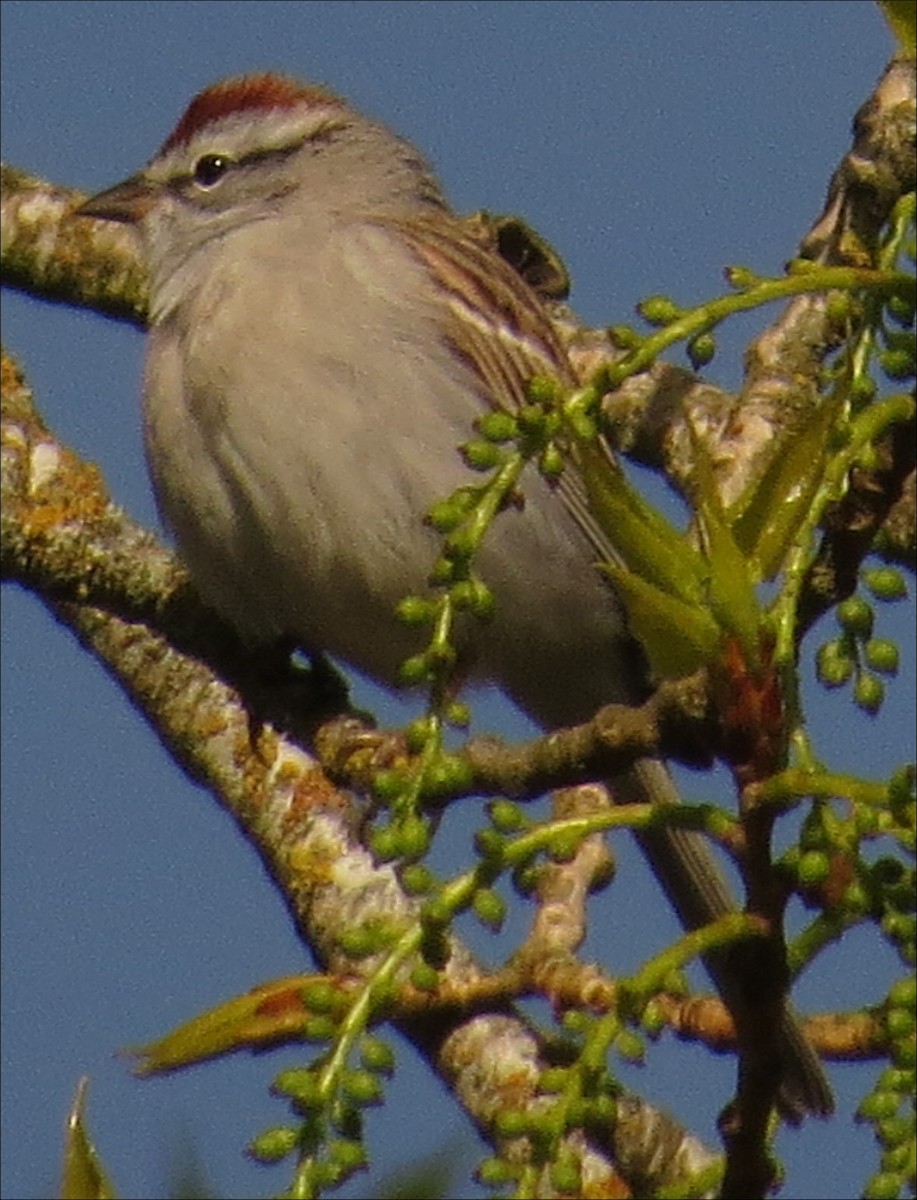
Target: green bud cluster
[855, 654]
[888, 1107]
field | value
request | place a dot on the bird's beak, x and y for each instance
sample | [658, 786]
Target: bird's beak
[129, 201]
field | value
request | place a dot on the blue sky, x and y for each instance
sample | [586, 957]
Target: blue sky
[652, 144]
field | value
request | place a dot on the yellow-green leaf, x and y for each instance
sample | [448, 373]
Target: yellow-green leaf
[82, 1174]
[677, 637]
[271, 1013]
[765, 519]
[731, 584]
[644, 541]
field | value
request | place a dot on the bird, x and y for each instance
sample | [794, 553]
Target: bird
[324, 331]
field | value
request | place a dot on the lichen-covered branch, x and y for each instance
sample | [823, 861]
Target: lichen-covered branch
[93, 264]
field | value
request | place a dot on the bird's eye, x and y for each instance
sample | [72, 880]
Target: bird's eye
[210, 169]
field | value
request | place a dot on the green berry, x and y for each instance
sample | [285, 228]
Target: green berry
[566, 1177]
[320, 1027]
[553, 1080]
[274, 1144]
[839, 306]
[299, 1084]
[414, 836]
[444, 571]
[388, 784]
[886, 871]
[481, 456]
[525, 879]
[894, 1131]
[862, 391]
[321, 996]
[701, 350]
[576, 1021]
[901, 786]
[497, 426]
[490, 908]
[417, 879]
[513, 1122]
[543, 390]
[552, 462]
[814, 868]
[904, 1054]
[885, 1186]
[900, 927]
[882, 656]
[532, 419]
[496, 1173]
[506, 816]
[878, 1106]
[347, 1154]
[377, 1055]
[900, 1023]
[659, 310]
[901, 308]
[885, 583]
[385, 844]
[414, 670]
[624, 337]
[855, 615]
[489, 843]
[653, 1020]
[869, 693]
[450, 775]
[903, 992]
[457, 714]
[415, 610]
[833, 664]
[474, 596]
[446, 515]
[362, 1088]
[897, 364]
[358, 942]
[424, 977]
[419, 732]
[564, 846]
[630, 1046]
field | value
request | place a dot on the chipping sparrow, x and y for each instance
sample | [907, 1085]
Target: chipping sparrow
[323, 333]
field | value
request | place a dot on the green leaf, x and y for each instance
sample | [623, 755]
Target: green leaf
[766, 517]
[678, 637]
[731, 584]
[644, 541]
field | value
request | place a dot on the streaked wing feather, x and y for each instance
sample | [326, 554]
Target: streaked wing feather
[500, 327]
